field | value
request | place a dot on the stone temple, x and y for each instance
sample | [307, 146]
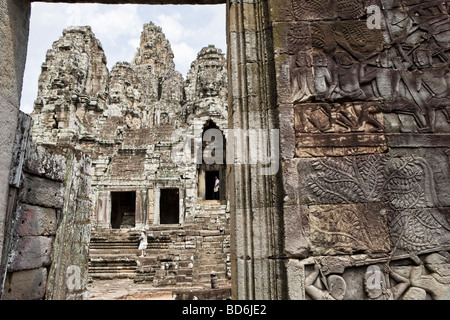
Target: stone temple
[334, 117]
[129, 122]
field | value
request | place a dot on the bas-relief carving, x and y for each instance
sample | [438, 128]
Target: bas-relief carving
[350, 87]
[404, 65]
[412, 277]
[405, 184]
[395, 194]
[347, 229]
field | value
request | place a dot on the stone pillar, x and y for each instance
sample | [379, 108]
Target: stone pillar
[156, 198]
[68, 274]
[104, 210]
[14, 28]
[182, 204]
[140, 216]
[255, 198]
[150, 207]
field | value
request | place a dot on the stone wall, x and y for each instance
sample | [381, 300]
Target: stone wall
[360, 100]
[49, 221]
[13, 42]
[362, 91]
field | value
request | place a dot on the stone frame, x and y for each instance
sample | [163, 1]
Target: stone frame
[157, 200]
[255, 199]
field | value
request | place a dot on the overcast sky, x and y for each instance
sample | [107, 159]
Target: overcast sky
[119, 27]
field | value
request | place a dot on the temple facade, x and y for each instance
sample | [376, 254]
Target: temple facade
[145, 129]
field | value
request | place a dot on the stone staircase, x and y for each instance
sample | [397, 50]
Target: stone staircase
[113, 253]
[177, 255]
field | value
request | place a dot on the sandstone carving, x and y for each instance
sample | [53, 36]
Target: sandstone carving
[437, 281]
[335, 286]
[404, 65]
[376, 284]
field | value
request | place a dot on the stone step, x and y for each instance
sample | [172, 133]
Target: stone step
[206, 277]
[111, 276]
[209, 268]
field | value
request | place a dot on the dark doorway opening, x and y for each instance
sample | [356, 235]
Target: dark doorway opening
[169, 209]
[123, 209]
[210, 178]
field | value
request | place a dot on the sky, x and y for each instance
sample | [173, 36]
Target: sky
[189, 28]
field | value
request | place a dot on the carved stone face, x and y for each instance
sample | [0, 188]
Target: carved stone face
[320, 60]
[209, 80]
[423, 59]
[60, 81]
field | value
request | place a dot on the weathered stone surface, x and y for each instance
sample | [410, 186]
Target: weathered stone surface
[42, 192]
[26, 285]
[31, 252]
[348, 229]
[36, 221]
[297, 231]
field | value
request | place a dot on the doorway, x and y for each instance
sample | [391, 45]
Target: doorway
[169, 206]
[210, 177]
[123, 209]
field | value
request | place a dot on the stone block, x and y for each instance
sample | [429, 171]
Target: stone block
[41, 192]
[35, 221]
[30, 252]
[296, 235]
[26, 285]
[287, 133]
[348, 229]
[47, 162]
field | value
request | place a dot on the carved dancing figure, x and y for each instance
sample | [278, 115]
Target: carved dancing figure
[335, 286]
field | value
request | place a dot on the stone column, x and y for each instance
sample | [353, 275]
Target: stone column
[140, 216]
[150, 207]
[182, 204]
[157, 196]
[104, 209]
[255, 198]
[14, 28]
